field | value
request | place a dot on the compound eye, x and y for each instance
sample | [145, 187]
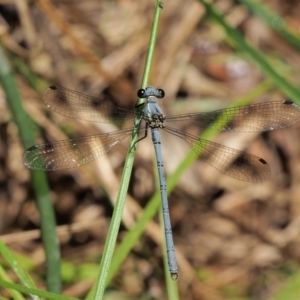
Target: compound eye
[162, 93]
[141, 93]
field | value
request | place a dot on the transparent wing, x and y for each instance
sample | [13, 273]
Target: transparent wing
[71, 153]
[250, 118]
[80, 106]
[232, 162]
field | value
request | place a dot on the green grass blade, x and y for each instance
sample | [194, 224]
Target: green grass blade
[14, 294]
[253, 54]
[39, 181]
[154, 203]
[109, 247]
[289, 289]
[152, 43]
[21, 66]
[31, 291]
[273, 20]
[13, 262]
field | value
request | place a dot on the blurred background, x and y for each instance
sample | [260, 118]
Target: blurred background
[234, 240]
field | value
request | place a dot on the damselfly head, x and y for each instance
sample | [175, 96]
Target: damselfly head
[150, 91]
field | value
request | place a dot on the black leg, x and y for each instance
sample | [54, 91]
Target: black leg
[146, 133]
[138, 104]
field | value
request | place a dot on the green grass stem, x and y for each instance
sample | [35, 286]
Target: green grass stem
[109, 247]
[31, 291]
[273, 20]
[14, 294]
[38, 179]
[15, 265]
[257, 57]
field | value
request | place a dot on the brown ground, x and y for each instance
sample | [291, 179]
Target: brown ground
[234, 239]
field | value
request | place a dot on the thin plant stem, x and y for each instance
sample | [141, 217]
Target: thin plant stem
[273, 20]
[17, 267]
[118, 210]
[257, 57]
[32, 291]
[38, 179]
